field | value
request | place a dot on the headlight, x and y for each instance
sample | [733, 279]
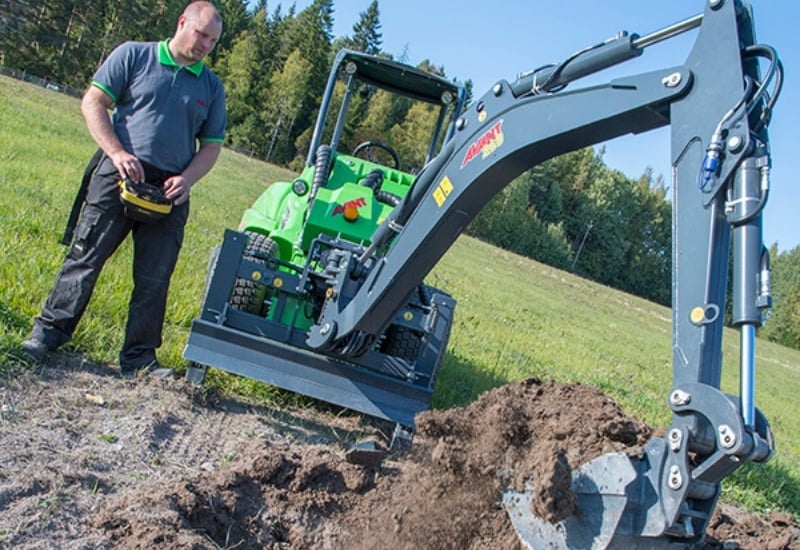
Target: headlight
[300, 187]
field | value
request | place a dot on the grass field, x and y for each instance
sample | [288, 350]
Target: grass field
[515, 318]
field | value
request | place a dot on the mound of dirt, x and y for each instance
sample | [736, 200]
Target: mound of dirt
[90, 460]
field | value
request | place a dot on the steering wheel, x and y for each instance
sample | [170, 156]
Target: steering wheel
[369, 145]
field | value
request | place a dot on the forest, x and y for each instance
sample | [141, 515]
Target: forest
[573, 212]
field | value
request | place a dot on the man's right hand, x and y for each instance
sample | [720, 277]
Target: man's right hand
[128, 166]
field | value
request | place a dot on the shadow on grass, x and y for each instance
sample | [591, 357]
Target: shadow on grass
[460, 382]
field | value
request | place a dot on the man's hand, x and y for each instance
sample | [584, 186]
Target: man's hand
[128, 166]
[176, 189]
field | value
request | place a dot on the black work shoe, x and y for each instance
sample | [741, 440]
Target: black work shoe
[35, 350]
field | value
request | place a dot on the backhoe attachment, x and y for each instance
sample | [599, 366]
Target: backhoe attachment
[665, 496]
[717, 106]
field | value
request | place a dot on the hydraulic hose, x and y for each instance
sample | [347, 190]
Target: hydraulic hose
[374, 180]
[321, 165]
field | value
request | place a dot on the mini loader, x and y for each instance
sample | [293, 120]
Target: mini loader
[327, 308]
[268, 280]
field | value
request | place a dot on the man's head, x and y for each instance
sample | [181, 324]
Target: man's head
[199, 28]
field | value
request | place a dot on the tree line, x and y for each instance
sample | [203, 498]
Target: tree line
[572, 212]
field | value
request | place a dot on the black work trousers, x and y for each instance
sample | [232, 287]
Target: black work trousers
[101, 228]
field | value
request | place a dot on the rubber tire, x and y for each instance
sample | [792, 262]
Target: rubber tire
[247, 295]
[402, 342]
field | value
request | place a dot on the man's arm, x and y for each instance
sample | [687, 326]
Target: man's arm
[177, 188]
[95, 106]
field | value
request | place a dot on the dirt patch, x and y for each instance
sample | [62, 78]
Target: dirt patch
[90, 460]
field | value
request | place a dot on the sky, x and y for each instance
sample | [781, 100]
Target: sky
[489, 41]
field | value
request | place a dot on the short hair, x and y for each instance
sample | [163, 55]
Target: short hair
[193, 9]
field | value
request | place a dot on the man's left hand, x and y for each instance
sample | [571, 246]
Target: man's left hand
[176, 189]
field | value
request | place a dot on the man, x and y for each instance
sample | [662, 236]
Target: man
[165, 101]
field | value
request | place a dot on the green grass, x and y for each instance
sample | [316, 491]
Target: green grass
[515, 318]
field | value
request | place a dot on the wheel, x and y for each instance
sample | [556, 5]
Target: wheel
[248, 295]
[401, 342]
[367, 147]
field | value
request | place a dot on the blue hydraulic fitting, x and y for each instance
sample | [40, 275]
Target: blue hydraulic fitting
[710, 165]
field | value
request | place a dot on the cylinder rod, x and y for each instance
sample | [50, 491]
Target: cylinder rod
[748, 374]
[668, 32]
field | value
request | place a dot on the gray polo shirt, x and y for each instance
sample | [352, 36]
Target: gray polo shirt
[161, 108]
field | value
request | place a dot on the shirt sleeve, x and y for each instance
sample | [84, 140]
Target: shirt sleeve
[113, 74]
[213, 129]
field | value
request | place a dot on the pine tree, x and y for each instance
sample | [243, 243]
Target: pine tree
[366, 32]
[236, 20]
[310, 34]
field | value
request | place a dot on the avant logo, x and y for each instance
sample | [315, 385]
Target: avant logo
[488, 142]
[357, 203]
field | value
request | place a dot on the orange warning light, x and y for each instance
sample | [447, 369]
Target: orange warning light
[350, 212]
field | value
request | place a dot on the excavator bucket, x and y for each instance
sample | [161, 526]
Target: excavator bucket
[613, 494]
[600, 487]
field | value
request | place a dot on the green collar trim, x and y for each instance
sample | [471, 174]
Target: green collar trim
[165, 58]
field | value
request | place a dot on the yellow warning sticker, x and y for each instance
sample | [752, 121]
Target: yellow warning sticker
[446, 185]
[438, 196]
[442, 191]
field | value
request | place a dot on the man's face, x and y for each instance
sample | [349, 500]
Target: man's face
[196, 36]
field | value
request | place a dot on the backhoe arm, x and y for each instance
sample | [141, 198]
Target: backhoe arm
[511, 129]
[718, 108]
[500, 137]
